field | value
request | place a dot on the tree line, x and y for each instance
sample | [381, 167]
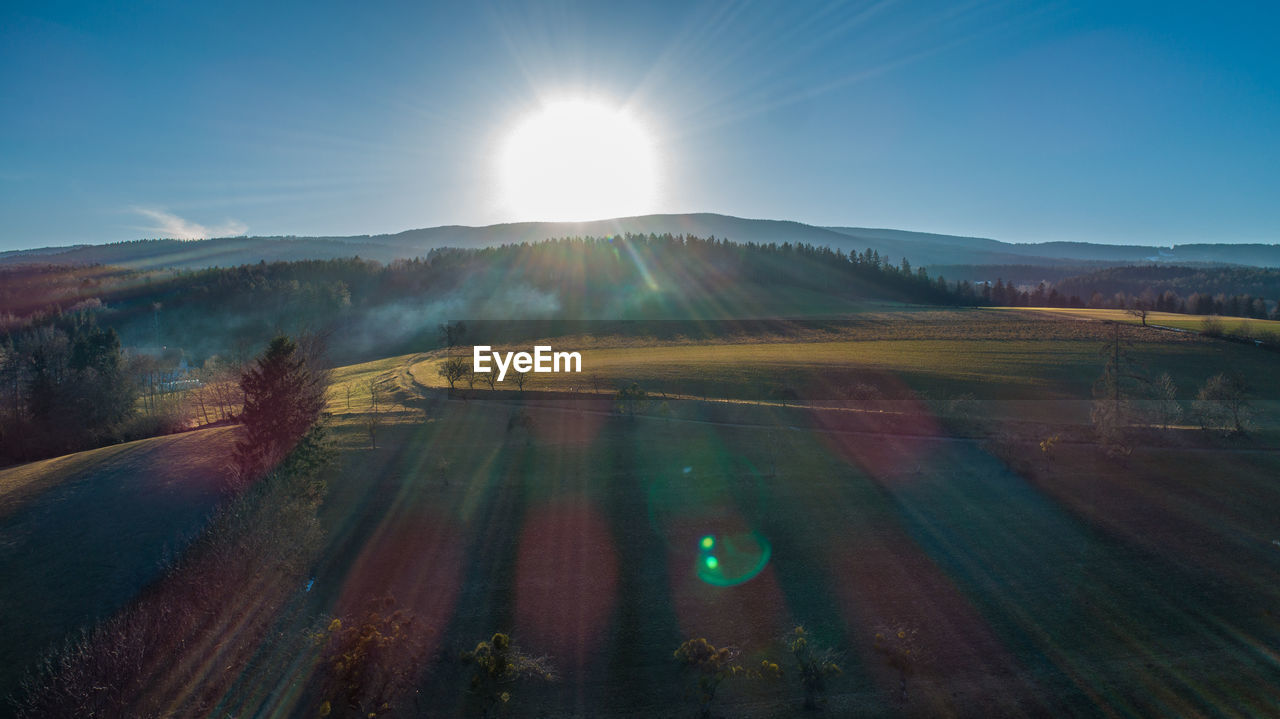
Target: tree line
[1197, 303]
[66, 388]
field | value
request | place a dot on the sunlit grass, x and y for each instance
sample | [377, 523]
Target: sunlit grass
[1163, 319]
[177, 451]
[938, 369]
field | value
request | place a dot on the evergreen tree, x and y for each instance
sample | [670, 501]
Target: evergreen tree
[283, 398]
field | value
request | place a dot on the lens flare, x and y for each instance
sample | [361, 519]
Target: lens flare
[738, 558]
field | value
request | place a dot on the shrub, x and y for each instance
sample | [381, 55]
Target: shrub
[368, 661]
[498, 665]
[898, 646]
[631, 399]
[714, 665]
[813, 665]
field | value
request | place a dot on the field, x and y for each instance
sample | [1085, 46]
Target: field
[1035, 581]
[1042, 364]
[1192, 323]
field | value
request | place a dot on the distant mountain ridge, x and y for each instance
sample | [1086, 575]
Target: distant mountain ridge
[921, 248]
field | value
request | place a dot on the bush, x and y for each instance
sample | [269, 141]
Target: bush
[712, 666]
[813, 666]
[498, 665]
[141, 426]
[1211, 326]
[368, 661]
[631, 399]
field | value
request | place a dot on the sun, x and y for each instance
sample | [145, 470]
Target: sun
[578, 160]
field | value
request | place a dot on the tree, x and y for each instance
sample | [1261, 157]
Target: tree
[66, 386]
[283, 397]
[451, 334]
[1166, 409]
[1140, 311]
[1223, 403]
[453, 369]
[520, 378]
[374, 420]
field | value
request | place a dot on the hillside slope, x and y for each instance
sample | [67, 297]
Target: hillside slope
[82, 533]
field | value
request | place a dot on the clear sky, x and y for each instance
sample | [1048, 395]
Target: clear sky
[1144, 122]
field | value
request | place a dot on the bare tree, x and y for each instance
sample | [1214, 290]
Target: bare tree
[453, 369]
[374, 419]
[519, 378]
[1167, 410]
[1223, 403]
[1140, 311]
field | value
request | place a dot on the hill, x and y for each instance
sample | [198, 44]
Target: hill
[920, 247]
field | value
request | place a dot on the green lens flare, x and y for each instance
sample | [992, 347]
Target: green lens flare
[738, 558]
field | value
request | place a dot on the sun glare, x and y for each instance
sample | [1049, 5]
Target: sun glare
[578, 160]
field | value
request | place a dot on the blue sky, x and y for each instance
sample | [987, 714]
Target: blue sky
[1154, 123]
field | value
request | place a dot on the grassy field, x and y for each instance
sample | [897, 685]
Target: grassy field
[990, 355]
[80, 535]
[1037, 582]
[1194, 323]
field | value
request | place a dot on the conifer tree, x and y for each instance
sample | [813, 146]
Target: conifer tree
[283, 398]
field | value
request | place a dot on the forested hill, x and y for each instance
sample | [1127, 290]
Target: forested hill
[921, 248]
[377, 309]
